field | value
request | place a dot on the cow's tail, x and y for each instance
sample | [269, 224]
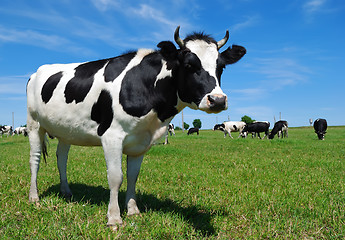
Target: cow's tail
[44, 148]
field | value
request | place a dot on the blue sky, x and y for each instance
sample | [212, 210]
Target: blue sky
[294, 63]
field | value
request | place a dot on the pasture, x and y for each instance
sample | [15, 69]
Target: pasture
[197, 187]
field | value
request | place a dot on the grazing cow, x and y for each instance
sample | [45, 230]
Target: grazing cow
[20, 130]
[230, 126]
[123, 104]
[6, 130]
[320, 127]
[193, 130]
[256, 127]
[280, 128]
[171, 129]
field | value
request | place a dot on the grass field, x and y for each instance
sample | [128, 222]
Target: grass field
[197, 187]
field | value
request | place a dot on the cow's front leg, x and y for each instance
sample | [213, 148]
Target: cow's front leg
[230, 135]
[113, 155]
[133, 169]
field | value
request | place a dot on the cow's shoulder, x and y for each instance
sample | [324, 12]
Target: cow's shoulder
[146, 84]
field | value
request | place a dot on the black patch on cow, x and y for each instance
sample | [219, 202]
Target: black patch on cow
[79, 86]
[49, 86]
[200, 36]
[102, 112]
[194, 82]
[138, 94]
[116, 66]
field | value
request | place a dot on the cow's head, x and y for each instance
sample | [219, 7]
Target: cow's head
[220, 127]
[321, 134]
[200, 68]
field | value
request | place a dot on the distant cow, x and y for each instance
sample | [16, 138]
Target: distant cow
[280, 128]
[193, 130]
[20, 130]
[320, 126]
[6, 130]
[256, 127]
[230, 126]
[123, 104]
[171, 129]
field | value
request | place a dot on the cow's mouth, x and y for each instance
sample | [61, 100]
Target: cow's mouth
[214, 103]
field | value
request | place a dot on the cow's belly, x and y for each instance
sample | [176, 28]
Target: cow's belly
[81, 134]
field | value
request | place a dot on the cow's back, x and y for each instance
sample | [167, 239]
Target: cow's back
[48, 104]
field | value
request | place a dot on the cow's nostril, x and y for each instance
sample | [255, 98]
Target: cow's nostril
[211, 98]
[217, 102]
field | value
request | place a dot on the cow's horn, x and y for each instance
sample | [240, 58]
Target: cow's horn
[222, 42]
[178, 40]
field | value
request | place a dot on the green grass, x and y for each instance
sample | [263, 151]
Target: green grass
[197, 187]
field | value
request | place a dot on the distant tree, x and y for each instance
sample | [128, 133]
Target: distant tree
[185, 125]
[178, 128]
[197, 123]
[247, 119]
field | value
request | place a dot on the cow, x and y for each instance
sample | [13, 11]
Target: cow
[8, 130]
[320, 127]
[256, 127]
[193, 130]
[230, 126]
[20, 130]
[123, 104]
[171, 129]
[280, 128]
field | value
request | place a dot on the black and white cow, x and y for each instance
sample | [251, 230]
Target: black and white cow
[123, 104]
[171, 129]
[193, 130]
[8, 130]
[256, 127]
[280, 128]
[230, 126]
[20, 130]
[320, 127]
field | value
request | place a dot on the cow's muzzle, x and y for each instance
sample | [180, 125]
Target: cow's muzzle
[217, 102]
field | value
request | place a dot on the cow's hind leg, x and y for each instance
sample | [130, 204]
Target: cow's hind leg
[62, 155]
[37, 144]
[133, 169]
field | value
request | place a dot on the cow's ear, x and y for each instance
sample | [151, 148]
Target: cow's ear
[169, 53]
[232, 55]
[168, 50]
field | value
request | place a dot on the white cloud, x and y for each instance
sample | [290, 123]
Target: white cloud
[13, 84]
[149, 12]
[312, 6]
[259, 113]
[104, 5]
[281, 72]
[248, 22]
[34, 38]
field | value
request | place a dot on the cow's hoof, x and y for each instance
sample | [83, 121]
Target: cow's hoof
[115, 226]
[133, 212]
[34, 199]
[67, 196]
